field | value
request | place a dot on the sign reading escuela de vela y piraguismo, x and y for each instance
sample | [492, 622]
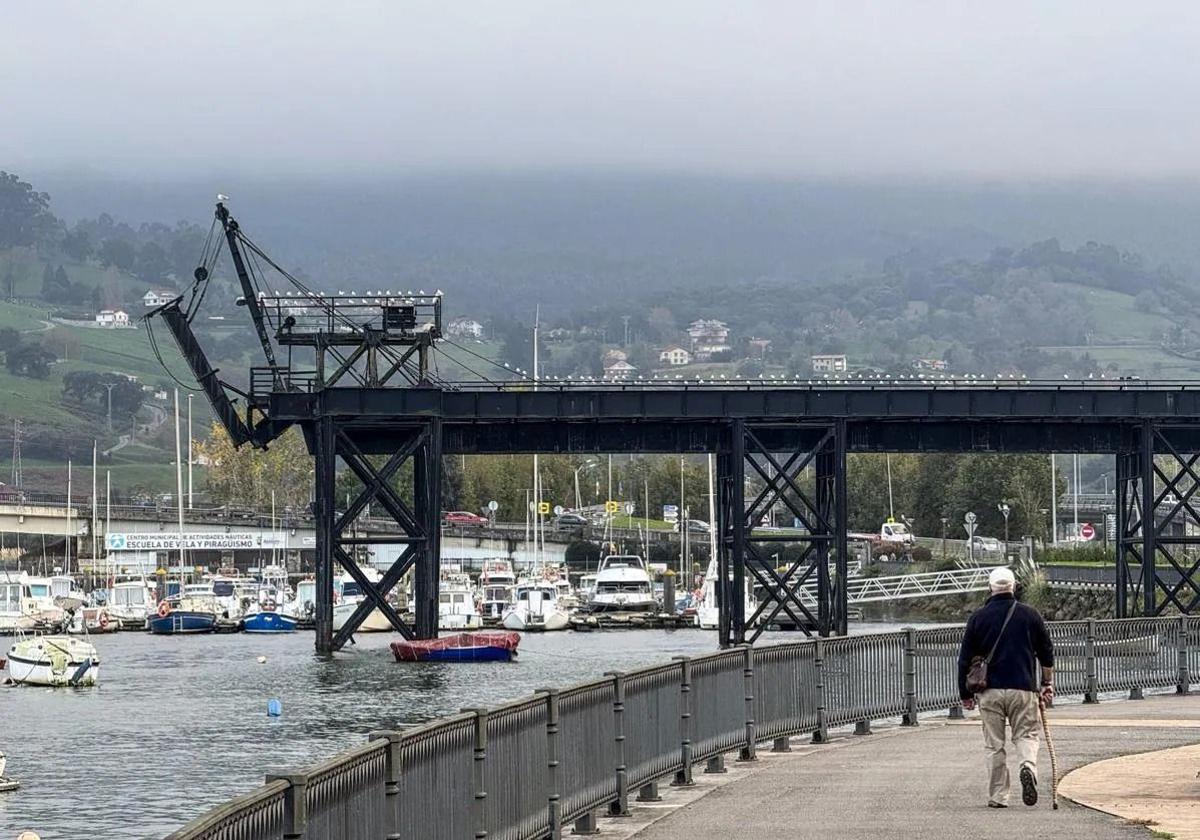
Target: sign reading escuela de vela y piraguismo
[193, 541]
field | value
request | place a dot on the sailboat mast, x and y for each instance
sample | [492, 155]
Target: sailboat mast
[67, 541]
[179, 487]
[95, 511]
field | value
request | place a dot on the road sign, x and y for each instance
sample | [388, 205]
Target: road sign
[670, 513]
[1086, 531]
[543, 508]
[558, 510]
[492, 505]
[970, 517]
[611, 507]
[1110, 526]
[629, 508]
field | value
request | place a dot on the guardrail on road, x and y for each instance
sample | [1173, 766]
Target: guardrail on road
[524, 770]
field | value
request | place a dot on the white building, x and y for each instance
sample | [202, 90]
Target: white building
[619, 368]
[708, 336]
[157, 297]
[829, 363]
[112, 318]
[465, 328]
[674, 356]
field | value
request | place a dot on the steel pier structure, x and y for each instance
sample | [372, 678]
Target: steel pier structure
[355, 372]
[777, 433]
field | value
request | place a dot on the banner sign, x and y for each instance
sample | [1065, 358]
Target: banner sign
[164, 541]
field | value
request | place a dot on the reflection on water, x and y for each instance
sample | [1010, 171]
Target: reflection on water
[179, 724]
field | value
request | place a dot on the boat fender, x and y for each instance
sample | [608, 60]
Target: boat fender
[274, 708]
[164, 609]
[80, 671]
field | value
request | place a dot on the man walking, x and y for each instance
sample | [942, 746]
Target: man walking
[1011, 639]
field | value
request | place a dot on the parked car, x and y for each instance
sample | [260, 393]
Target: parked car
[569, 521]
[986, 544]
[695, 526]
[462, 517]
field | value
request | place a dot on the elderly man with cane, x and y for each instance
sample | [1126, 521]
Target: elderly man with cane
[998, 668]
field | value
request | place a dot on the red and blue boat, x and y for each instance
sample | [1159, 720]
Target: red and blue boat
[460, 647]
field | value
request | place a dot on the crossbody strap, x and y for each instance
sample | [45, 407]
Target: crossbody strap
[1003, 627]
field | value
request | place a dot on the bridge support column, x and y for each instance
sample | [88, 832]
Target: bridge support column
[800, 573]
[1158, 524]
[418, 525]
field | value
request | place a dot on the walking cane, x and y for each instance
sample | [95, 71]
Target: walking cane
[1049, 749]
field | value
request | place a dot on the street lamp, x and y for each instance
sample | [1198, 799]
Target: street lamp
[1005, 510]
[585, 465]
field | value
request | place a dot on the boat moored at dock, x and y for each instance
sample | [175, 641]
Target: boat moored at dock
[623, 585]
[55, 661]
[461, 647]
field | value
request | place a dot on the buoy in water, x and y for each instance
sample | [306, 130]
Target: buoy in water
[262, 660]
[274, 708]
[29, 835]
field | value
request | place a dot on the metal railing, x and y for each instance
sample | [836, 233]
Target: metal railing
[524, 770]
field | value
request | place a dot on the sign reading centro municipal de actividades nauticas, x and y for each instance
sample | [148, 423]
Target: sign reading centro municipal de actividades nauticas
[194, 542]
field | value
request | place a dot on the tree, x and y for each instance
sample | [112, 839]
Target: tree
[9, 338]
[118, 253]
[247, 476]
[76, 244]
[152, 265]
[25, 217]
[30, 360]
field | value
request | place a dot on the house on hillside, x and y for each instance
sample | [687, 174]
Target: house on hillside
[465, 328]
[112, 318]
[708, 336]
[157, 297]
[829, 363]
[929, 364]
[611, 357]
[619, 368]
[675, 356]
[759, 347]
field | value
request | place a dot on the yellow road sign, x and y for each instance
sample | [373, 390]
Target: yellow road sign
[543, 507]
[611, 507]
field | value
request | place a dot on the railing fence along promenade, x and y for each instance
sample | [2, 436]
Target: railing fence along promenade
[526, 769]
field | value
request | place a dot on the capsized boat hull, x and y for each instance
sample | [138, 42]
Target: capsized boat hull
[268, 622]
[182, 621]
[54, 661]
[461, 647]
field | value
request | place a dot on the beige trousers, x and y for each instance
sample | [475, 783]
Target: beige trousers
[1020, 710]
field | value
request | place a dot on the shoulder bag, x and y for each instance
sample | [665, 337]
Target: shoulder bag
[977, 672]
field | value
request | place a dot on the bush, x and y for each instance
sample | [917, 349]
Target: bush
[921, 554]
[582, 554]
[1086, 553]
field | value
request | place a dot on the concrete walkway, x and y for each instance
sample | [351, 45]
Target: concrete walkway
[927, 781]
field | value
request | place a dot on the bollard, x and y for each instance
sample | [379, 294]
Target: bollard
[1135, 693]
[747, 753]
[1183, 682]
[1091, 693]
[391, 781]
[620, 806]
[956, 712]
[781, 744]
[649, 793]
[553, 797]
[586, 824]
[668, 580]
[295, 804]
[910, 677]
[683, 777]
[716, 764]
[477, 777]
[863, 727]
[821, 734]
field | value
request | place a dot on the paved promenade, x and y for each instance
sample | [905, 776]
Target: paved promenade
[927, 781]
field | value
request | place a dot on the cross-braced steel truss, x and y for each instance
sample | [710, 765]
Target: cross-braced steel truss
[1158, 524]
[783, 564]
[418, 526]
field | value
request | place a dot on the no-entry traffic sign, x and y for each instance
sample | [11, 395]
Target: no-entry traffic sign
[1087, 531]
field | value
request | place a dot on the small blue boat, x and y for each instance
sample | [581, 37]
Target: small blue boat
[265, 621]
[169, 622]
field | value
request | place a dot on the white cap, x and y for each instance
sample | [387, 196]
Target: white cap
[1002, 579]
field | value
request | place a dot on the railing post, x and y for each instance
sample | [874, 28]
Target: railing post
[295, 804]
[1091, 692]
[391, 780]
[749, 749]
[1183, 682]
[553, 794]
[477, 775]
[910, 677]
[620, 806]
[821, 734]
[684, 776]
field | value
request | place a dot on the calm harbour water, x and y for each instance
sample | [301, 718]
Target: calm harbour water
[179, 724]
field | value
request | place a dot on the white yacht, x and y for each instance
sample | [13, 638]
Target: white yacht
[131, 602]
[708, 614]
[53, 661]
[456, 603]
[17, 606]
[536, 608]
[348, 595]
[623, 585]
[303, 605]
[587, 587]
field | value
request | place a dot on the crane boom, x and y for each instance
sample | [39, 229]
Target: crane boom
[249, 293]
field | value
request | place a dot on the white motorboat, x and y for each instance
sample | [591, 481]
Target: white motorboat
[708, 614]
[456, 604]
[53, 661]
[131, 602]
[536, 609]
[349, 595]
[587, 587]
[494, 599]
[17, 607]
[39, 603]
[303, 606]
[497, 572]
[623, 585]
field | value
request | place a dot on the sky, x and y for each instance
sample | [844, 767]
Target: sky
[1001, 90]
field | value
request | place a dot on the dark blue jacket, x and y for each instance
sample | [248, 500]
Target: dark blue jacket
[1026, 643]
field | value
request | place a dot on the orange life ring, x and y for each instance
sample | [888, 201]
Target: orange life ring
[164, 609]
[103, 621]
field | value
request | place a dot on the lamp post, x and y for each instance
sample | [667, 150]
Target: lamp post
[588, 464]
[1005, 510]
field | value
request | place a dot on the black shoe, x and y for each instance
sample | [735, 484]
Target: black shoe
[1028, 787]
[996, 805]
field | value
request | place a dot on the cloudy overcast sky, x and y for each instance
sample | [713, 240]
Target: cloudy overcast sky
[1027, 89]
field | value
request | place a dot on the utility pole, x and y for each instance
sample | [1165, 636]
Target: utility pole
[16, 455]
[108, 424]
[1053, 503]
